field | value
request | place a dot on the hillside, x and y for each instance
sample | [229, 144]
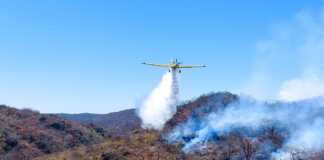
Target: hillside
[200, 107]
[141, 145]
[176, 142]
[25, 134]
[184, 137]
[116, 123]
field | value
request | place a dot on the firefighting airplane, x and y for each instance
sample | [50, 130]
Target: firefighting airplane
[174, 66]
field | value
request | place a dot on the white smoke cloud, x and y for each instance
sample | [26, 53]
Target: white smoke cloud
[160, 105]
[289, 64]
[301, 88]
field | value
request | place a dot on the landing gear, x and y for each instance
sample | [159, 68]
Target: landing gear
[175, 70]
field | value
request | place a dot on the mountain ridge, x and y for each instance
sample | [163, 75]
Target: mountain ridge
[119, 123]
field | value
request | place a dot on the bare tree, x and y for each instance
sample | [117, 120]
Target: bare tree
[299, 154]
[248, 148]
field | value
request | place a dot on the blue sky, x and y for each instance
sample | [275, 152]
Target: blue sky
[84, 56]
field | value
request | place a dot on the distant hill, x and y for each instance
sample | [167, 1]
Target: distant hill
[117, 123]
[25, 134]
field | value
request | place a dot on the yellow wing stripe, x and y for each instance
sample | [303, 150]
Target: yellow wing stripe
[157, 65]
[196, 66]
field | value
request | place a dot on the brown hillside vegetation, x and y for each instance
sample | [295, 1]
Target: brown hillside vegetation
[142, 145]
[148, 145]
[25, 134]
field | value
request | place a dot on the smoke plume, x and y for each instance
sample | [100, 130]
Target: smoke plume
[160, 105]
[306, 87]
[289, 61]
[302, 121]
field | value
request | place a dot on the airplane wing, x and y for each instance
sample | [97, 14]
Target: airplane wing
[192, 66]
[157, 65]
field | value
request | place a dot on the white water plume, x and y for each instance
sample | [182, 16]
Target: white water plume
[160, 105]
